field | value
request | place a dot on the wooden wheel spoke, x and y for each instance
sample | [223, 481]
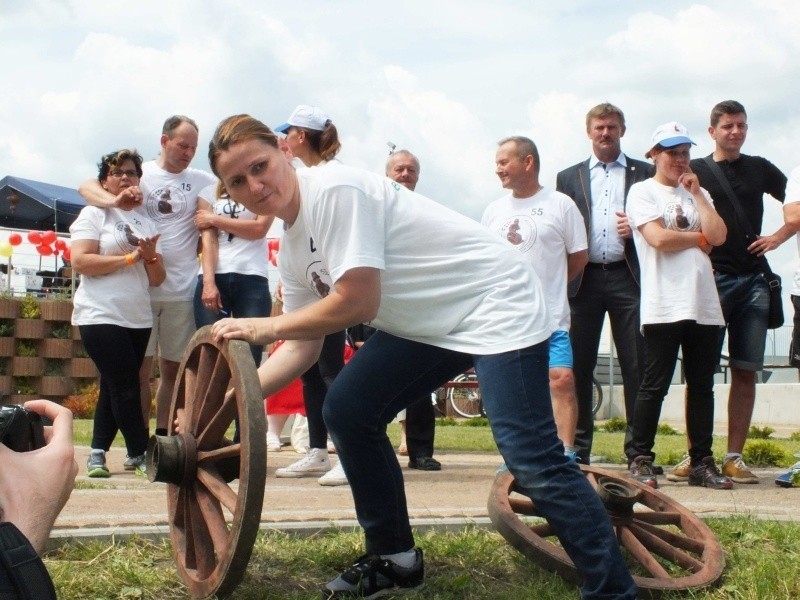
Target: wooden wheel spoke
[640, 553]
[212, 391]
[543, 530]
[230, 451]
[218, 422]
[214, 483]
[659, 546]
[679, 541]
[197, 528]
[522, 506]
[214, 519]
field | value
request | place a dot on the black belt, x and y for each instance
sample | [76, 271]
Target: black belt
[620, 264]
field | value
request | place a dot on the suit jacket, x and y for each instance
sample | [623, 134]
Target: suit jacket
[575, 182]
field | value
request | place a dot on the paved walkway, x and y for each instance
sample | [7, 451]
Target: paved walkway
[126, 503]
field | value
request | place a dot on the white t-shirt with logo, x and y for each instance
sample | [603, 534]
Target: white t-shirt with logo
[545, 227]
[792, 196]
[122, 297]
[236, 254]
[446, 280]
[170, 200]
[676, 286]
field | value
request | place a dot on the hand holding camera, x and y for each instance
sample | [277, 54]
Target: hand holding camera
[21, 429]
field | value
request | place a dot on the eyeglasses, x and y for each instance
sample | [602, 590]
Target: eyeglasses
[130, 173]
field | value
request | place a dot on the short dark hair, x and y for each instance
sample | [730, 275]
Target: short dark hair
[115, 159]
[175, 121]
[726, 107]
[606, 109]
[525, 146]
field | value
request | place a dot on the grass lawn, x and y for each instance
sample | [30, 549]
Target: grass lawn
[762, 559]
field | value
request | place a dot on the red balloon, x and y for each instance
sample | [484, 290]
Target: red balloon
[60, 244]
[66, 253]
[15, 239]
[35, 237]
[48, 237]
[44, 250]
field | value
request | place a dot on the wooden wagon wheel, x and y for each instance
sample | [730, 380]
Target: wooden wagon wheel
[213, 524]
[665, 545]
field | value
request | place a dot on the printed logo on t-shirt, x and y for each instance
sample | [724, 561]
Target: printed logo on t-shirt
[681, 217]
[521, 231]
[318, 278]
[165, 204]
[126, 236]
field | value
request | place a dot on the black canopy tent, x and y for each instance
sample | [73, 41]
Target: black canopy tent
[34, 205]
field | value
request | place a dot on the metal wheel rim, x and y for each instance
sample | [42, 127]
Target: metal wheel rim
[648, 537]
[465, 401]
[215, 384]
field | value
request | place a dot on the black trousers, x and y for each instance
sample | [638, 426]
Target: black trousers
[118, 353]
[316, 382]
[604, 292]
[420, 428]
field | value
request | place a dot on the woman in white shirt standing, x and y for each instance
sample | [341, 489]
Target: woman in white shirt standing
[114, 250]
[233, 273]
[674, 227]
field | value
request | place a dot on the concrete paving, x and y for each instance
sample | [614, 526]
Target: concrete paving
[126, 503]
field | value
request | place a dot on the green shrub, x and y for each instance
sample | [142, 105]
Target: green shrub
[615, 424]
[763, 454]
[446, 422]
[6, 328]
[24, 385]
[664, 429]
[476, 422]
[62, 331]
[26, 348]
[53, 366]
[29, 308]
[3, 366]
[760, 433]
[795, 437]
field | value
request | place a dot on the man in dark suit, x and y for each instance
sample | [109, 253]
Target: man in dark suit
[610, 281]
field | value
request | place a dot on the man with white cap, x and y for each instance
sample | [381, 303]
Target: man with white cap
[674, 226]
[739, 268]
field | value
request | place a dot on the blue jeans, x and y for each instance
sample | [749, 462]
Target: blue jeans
[389, 373]
[242, 296]
[745, 306]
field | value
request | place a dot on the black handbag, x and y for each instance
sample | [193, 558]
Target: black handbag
[773, 280]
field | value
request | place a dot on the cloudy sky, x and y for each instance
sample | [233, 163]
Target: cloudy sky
[443, 78]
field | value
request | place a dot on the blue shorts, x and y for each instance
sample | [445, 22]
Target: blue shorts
[560, 350]
[745, 306]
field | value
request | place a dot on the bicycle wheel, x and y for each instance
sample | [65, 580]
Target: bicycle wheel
[597, 396]
[466, 401]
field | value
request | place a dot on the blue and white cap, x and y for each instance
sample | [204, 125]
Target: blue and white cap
[669, 135]
[307, 117]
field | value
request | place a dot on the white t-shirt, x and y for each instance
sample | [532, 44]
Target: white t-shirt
[122, 297]
[676, 286]
[445, 280]
[545, 227]
[170, 200]
[236, 254]
[792, 196]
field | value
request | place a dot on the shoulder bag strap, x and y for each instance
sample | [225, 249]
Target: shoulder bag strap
[23, 566]
[726, 187]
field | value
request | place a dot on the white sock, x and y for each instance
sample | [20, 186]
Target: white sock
[732, 456]
[402, 559]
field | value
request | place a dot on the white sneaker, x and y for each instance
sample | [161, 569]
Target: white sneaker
[335, 476]
[314, 464]
[273, 444]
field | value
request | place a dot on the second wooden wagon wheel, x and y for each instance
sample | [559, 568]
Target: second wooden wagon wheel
[665, 545]
[213, 522]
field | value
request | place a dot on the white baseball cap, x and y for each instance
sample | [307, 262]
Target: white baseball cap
[307, 117]
[669, 135]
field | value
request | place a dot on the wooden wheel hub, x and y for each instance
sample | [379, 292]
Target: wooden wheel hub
[172, 459]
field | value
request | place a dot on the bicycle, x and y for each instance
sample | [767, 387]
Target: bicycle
[463, 395]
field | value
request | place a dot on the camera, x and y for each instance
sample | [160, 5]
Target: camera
[21, 429]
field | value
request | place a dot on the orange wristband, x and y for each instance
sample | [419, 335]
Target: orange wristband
[703, 241]
[130, 259]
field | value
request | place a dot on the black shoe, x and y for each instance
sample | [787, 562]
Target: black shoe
[641, 469]
[706, 474]
[425, 463]
[371, 576]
